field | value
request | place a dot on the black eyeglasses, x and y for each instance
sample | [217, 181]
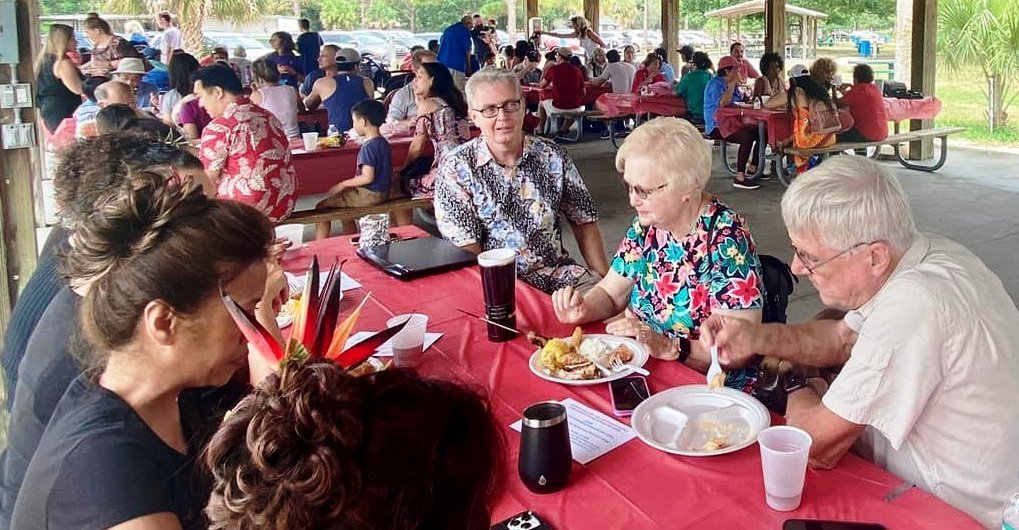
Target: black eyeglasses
[510, 107]
[812, 264]
[641, 193]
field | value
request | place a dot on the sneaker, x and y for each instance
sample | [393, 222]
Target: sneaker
[606, 135]
[764, 177]
[746, 184]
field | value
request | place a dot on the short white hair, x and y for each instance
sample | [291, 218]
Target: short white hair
[849, 200]
[678, 148]
[490, 76]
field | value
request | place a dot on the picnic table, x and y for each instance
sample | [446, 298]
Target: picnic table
[533, 95]
[321, 169]
[635, 105]
[633, 486]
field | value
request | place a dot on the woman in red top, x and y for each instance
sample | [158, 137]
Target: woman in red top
[866, 105]
[648, 74]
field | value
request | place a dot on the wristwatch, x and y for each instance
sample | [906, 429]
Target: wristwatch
[684, 348]
[794, 381]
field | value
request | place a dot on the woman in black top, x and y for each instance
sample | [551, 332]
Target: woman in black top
[57, 79]
[120, 447]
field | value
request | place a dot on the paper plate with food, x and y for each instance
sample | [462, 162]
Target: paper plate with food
[586, 359]
[695, 420]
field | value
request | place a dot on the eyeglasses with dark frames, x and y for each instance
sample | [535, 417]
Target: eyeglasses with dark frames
[509, 107]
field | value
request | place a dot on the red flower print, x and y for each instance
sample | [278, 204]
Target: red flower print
[699, 296]
[667, 286]
[747, 291]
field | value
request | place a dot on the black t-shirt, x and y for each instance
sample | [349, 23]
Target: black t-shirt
[46, 371]
[480, 46]
[99, 464]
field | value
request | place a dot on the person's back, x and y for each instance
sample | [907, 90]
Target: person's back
[567, 86]
[929, 374]
[691, 88]
[349, 91]
[620, 74]
[454, 46]
[308, 45]
[713, 91]
[866, 105]
[281, 100]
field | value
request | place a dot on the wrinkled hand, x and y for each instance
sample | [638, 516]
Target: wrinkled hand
[569, 306]
[659, 346]
[734, 337]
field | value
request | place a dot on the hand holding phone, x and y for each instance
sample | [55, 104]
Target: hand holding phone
[627, 393]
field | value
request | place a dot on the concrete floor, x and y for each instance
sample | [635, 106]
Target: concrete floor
[973, 199]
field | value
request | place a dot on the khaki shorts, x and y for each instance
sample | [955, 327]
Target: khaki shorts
[354, 198]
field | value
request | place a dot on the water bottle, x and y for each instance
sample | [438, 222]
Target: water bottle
[1010, 515]
[333, 131]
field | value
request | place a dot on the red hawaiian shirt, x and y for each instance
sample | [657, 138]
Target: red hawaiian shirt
[248, 147]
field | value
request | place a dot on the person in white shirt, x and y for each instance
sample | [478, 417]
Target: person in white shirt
[928, 343]
[403, 107]
[617, 72]
[171, 36]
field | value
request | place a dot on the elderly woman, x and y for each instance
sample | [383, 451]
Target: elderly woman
[686, 256]
[597, 63]
[648, 74]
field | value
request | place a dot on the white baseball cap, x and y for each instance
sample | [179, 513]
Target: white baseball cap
[348, 55]
[798, 70]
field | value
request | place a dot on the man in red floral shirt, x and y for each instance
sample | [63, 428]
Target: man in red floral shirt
[244, 149]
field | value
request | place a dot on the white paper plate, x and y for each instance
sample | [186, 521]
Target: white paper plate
[640, 356]
[655, 420]
[284, 320]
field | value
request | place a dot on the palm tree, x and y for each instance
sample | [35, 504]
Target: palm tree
[192, 13]
[983, 34]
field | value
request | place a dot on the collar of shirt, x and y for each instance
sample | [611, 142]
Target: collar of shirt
[484, 155]
[914, 255]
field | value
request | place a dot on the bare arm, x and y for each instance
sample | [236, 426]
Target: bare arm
[819, 343]
[595, 38]
[366, 177]
[369, 87]
[314, 99]
[605, 300]
[64, 69]
[256, 97]
[190, 131]
[777, 101]
[591, 247]
[570, 35]
[832, 435]
[300, 102]
[155, 521]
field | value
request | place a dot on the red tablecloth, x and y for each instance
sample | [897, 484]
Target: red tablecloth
[626, 104]
[534, 94]
[779, 123]
[321, 169]
[634, 486]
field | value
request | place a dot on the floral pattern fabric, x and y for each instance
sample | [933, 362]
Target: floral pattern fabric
[479, 201]
[676, 286]
[248, 147]
[447, 132]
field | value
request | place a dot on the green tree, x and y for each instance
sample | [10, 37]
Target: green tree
[66, 7]
[192, 13]
[983, 34]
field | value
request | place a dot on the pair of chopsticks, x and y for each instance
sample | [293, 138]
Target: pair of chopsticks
[483, 319]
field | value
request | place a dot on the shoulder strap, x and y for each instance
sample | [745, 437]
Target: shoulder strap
[711, 236]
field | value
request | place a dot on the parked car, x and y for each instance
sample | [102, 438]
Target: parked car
[253, 48]
[340, 38]
[381, 46]
[614, 40]
[645, 42]
[428, 36]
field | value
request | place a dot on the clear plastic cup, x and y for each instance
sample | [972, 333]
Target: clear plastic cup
[310, 141]
[408, 344]
[784, 454]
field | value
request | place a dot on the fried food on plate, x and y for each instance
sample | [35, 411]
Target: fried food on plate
[575, 358]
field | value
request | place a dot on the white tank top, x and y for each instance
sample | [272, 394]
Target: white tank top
[588, 45]
[282, 102]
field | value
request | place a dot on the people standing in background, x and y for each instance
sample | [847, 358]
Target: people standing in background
[339, 94]
[58, 80]
[281, 100]
[308, 45]
[171, 35]
[290, 66]
[455, 50]
[589, 39]
[241, 64]
[109, 49]
[480, 38]
[326, 68]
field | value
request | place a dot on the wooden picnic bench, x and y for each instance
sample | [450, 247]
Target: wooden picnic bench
[577, 116]
[308, 217]
[610, 122]
[895, 140]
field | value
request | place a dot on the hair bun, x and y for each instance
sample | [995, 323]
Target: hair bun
[129, 223]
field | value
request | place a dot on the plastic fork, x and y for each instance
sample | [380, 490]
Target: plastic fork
[715, 368]
[618, 366]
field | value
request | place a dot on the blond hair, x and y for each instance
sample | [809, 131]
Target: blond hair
[676, 146]
[59, 41]
[581, 25]
[822, 70]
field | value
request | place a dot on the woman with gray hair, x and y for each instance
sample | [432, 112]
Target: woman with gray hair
[686, 256]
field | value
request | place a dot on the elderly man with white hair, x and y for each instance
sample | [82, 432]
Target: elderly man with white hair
[686, 255]
[504, 189]
[928, 343]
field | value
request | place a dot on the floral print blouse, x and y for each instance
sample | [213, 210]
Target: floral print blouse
[446, 133]
[248, 147]
[675, 286]
[479, 201]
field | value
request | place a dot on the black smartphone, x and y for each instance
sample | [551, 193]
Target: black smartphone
[627, 393]
[522, 521]
[808, 524]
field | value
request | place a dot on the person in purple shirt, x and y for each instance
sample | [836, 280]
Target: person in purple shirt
[309, 43]
[291, 67]
[455, 50]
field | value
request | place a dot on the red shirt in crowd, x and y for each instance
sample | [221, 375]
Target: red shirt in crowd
[867, 107]
[248, 147]
[567, 86]
[640, 78]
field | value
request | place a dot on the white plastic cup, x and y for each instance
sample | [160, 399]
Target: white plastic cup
[408, 344]
[784, 454]
[310, 140]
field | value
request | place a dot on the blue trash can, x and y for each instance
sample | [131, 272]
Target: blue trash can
[864, 48]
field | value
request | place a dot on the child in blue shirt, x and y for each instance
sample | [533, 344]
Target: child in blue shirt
[374, 166]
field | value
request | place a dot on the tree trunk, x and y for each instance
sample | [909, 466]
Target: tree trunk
[412, 17]
[364, 14]
[511, 21]
[996, 104]
[191, 27]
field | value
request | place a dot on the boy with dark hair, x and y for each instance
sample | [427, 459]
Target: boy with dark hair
[373, 181]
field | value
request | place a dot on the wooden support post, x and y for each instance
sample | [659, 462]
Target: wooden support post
[728, 33]
[532, 11]
[592, 14]
[20, 169]
[924, 67]
[774, 26]
[670, 31]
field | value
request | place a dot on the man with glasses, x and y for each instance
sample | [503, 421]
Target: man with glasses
[504, 189]
[928, 343]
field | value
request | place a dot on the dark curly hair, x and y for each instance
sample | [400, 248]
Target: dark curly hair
[314, 447]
